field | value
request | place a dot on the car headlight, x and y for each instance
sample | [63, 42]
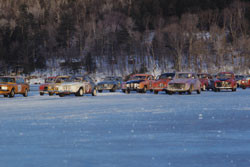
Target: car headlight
[127, 85]
[4, 88]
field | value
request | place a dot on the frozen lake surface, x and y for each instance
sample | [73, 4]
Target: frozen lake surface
[119, 130]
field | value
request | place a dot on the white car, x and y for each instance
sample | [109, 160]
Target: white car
[184, 82]
[77, 86]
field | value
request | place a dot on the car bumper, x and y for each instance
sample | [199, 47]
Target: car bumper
[4, 92]
[177, 90]
[159, 89]
[224, 87]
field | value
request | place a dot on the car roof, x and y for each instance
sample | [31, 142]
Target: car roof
[141, 75]
[186, 73]
[226, 73]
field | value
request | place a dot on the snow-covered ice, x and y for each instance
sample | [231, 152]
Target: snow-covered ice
[120, 130]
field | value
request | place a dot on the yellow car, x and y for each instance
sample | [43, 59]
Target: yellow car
[11, 85]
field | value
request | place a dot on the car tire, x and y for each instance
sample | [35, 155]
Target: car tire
[94, 92]
[5, 95]
[51, 93]
[41, 93]
[127, 91]
[170, 93]
[25, 93]
[204, 87]
[198, 91]
[100, 91]
[12, 93]
[144, 89]
[79, 92]
[61, 95]
[243, 87]
[156, 92]
[113, 89]
[190, 90]
[234, 90]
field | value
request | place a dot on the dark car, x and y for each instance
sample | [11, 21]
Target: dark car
[111, 83]
[239, 78]
[205, 80]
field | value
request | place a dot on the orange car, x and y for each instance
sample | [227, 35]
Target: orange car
[10, 85]
[161, 83]
[139, 83]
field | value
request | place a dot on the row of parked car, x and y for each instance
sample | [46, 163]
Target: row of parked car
[181, 82]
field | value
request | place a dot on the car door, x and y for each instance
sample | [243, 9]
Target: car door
[87, 83]
[19, 86]
[150, 80]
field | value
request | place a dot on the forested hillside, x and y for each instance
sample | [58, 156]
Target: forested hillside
[124, 36]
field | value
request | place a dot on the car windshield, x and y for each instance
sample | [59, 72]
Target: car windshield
[109, 79]
[239, 77]
[6, 79]
[202, 75]
[224, 76]
[184, 75]
[138, 77]
[75, 79]
[50, 80]
[167, 76]
[61, 80]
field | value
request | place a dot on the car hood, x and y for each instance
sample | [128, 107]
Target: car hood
[218, 80]
[71, 83]
[106, 82]
[135, 81]
[180, 81]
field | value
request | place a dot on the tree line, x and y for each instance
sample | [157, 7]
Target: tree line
[124, 36]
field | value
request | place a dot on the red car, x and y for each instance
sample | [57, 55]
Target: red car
[161, 83]
[245, 83]
[205, 80]
[225, 80]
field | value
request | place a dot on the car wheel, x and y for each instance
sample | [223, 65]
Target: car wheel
[94, 93]
[51, 93]
[190, 90]
[100, 91]
[234, 89]
[12, 93]
[41, 93]
[180, 93]
[170, 93]
[204, 87]
[156, 92]
[151, 90]
[25, 93]
[113, 89]
[144, 89]
[198, 91]
[61, 95]
[79, 92]
[5, 95]
[243, 87]
[127, 91]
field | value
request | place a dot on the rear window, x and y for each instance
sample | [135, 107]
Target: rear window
[6, 79]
